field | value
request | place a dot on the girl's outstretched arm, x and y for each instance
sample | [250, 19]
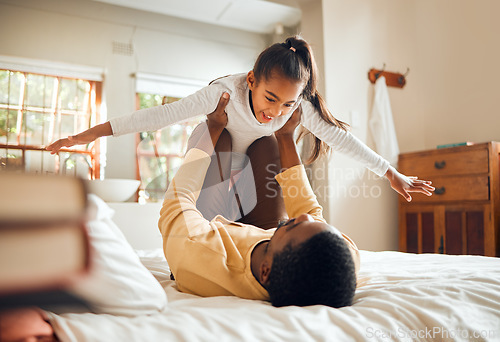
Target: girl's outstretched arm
[404, 184]
[344, 142]
[83, 138]
[148, 119]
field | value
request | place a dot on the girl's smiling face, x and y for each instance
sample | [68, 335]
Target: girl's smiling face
[273, 97]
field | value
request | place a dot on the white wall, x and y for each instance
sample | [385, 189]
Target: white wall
[450, 46]
[452, 50]
[82, 31]
[312, 29]
[359, 35]
[458, 54]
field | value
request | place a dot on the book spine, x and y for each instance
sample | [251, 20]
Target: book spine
[454, 145]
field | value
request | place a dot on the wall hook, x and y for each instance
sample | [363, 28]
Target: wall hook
[392, 79]
[377, 75]
[402, 78]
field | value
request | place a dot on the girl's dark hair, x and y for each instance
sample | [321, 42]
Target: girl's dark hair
[294, 59]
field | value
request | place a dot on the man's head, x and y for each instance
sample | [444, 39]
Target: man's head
[307, 262]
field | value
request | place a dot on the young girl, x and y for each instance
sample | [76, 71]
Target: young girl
[283, 79]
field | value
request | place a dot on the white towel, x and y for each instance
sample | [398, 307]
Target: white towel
[382, 124]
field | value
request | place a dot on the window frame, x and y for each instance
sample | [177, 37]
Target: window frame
[60, 71]
[164, 86]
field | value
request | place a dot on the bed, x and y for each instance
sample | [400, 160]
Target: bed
[401, 297]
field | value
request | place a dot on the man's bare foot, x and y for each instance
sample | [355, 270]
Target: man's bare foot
[26, 325]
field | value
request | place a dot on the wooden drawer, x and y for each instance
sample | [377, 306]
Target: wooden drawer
[450, 229]
[440, 163]
[463, 214]
[457, 188]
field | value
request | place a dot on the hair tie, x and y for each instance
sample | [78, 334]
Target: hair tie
[292, 48]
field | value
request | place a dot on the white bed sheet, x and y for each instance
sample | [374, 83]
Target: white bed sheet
[404, 297]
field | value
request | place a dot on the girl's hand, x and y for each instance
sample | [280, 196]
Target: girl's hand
[72, 140]
[289, 128]
[217, 120]
[83, 138]
[404, 184]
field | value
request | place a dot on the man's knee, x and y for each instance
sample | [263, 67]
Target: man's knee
[224, 144]
[267, 145]
[265, 157]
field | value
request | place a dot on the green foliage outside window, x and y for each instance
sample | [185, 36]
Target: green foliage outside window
[160, 153]
[36, 110]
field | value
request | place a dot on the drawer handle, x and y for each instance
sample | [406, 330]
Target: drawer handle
[440, 164]
[440, 191]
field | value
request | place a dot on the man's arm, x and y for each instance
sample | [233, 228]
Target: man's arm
[179, 217]
[216, 122]
[297, 192]
[289, 156]
[298, 195]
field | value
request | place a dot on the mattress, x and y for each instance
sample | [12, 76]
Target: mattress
[401, 297]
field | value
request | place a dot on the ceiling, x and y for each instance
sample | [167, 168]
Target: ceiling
[258, 16]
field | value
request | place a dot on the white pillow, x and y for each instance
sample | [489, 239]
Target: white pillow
[118, 283]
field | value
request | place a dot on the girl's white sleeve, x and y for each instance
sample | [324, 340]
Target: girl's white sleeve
[341, 140]
[202, 102]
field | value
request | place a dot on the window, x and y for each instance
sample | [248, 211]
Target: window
[37, 109]
[160, 153]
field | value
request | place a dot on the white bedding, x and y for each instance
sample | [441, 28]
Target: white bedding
[404, 297]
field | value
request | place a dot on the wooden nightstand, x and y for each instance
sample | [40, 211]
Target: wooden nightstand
[463, 215]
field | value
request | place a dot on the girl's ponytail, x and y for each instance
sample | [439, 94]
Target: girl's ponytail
[320, 147]
[311, 94]
[295, 60]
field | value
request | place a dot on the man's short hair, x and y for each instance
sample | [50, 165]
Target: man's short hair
[318, 271]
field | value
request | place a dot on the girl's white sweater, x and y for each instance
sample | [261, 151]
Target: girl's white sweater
[242, 124]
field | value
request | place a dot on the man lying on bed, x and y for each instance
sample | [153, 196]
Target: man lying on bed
[303, 262]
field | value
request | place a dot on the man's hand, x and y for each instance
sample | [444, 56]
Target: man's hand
[289, 156]
[217, 120]
[289, 128]
[205, 136]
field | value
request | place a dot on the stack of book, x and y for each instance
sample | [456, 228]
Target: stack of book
[44, 246]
